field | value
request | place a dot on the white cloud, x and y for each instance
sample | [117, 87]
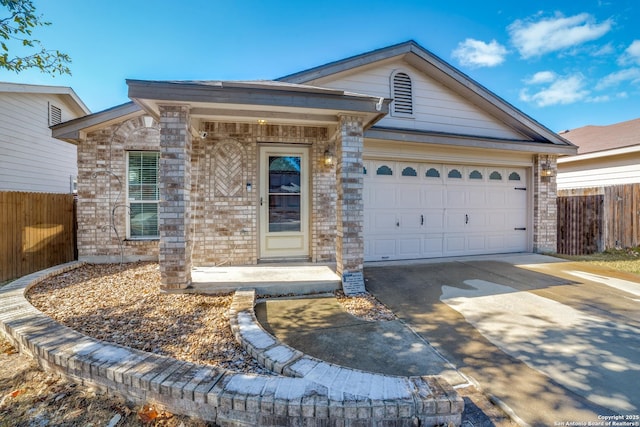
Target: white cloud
[631, 54]
[563, 90]
[542, 77]
[554, 34]
[628, 75]
[476, 53]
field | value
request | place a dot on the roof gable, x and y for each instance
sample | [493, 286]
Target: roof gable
[480, 104]
[66, 92]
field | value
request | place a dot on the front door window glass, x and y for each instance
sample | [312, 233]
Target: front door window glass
[284, 193]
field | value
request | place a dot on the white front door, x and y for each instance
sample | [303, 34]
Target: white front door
[284, 202]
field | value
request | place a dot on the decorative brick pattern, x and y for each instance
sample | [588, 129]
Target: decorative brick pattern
[349, 206]
[174, 211]
[102, 190]
[225, 214]
[544, 205]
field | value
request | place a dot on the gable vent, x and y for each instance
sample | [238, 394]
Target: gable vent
[55, 115]
[402, 94]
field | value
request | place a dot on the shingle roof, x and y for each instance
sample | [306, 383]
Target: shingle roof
[591, 139]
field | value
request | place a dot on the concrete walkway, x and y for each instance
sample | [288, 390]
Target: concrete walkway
[320, 327]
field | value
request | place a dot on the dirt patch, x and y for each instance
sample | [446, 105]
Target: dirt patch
[34, 398]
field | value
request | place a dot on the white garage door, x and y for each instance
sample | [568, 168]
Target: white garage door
[419, 210]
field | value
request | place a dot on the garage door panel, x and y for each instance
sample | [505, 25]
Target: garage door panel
[433, 221]
[382, 195]
[456, 198]
[497, 199]
[384, 221]
[476, 197]
[437, 212]
[409, 247]
[432, 197]
[384, 248]
[409, 196]
[454, 244]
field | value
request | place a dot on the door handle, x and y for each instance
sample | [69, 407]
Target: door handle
[466, 219]
[397, 223]
[260, 201]
[421, 219]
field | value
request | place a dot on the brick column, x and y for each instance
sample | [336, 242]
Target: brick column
[349, 206]
[545, 214]
[174, 214]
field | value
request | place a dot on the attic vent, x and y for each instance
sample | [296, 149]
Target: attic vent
[402, 94]
[55, 115]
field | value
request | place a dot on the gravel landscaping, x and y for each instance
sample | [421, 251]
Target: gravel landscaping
[123, 304]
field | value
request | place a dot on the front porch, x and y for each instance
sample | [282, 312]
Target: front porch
[267, 279]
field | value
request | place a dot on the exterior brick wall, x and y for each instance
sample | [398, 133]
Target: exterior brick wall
[350, 205]
[544, 204]
[226, 213]
[174, 211]
[102, 190]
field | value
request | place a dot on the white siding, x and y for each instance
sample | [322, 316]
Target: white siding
[436, 108]
[30, 159]
[600, 172]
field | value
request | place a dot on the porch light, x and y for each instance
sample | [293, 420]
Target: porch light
[546, 171]
[328, 157]
[262, 122]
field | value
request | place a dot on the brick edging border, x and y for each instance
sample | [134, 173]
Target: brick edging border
[298, 397]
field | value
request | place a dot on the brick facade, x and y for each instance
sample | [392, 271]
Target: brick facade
[544, 205]
[350, 207]
[226, 214]
[222, 228]
[102, 191]
[174, 211]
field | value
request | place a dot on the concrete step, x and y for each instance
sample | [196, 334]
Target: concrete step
[266, 279]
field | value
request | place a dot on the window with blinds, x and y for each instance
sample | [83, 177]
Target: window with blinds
[402, 94]
[143, 194]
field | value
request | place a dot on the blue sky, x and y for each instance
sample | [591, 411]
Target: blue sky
[565, 63]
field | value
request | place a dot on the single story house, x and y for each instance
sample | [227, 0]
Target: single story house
[31, 159]
[392, 154]
[607, 155]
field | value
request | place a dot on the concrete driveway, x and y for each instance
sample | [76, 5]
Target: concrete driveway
[556, 342]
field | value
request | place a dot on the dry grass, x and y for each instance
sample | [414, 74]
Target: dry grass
[625, 260]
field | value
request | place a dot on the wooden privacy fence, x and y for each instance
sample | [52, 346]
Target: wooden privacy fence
[37, 231]
[600, 218]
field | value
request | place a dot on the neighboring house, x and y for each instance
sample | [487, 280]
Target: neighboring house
[30, 158]
[392, 154]
[599, 188]
[607, 156]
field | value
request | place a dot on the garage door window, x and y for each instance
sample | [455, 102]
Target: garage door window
[409, 171]
[432, 173]
[514, 176]
[475, 175]
[454, 173]
[495, 176]
[384, 170]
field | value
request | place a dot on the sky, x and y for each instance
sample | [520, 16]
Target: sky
[565, 63]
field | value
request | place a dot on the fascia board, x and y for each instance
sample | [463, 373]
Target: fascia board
[466, 141]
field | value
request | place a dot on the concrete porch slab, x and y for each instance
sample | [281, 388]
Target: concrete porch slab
[266, 279]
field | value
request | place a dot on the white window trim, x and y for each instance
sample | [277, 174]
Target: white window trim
[129, 201]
